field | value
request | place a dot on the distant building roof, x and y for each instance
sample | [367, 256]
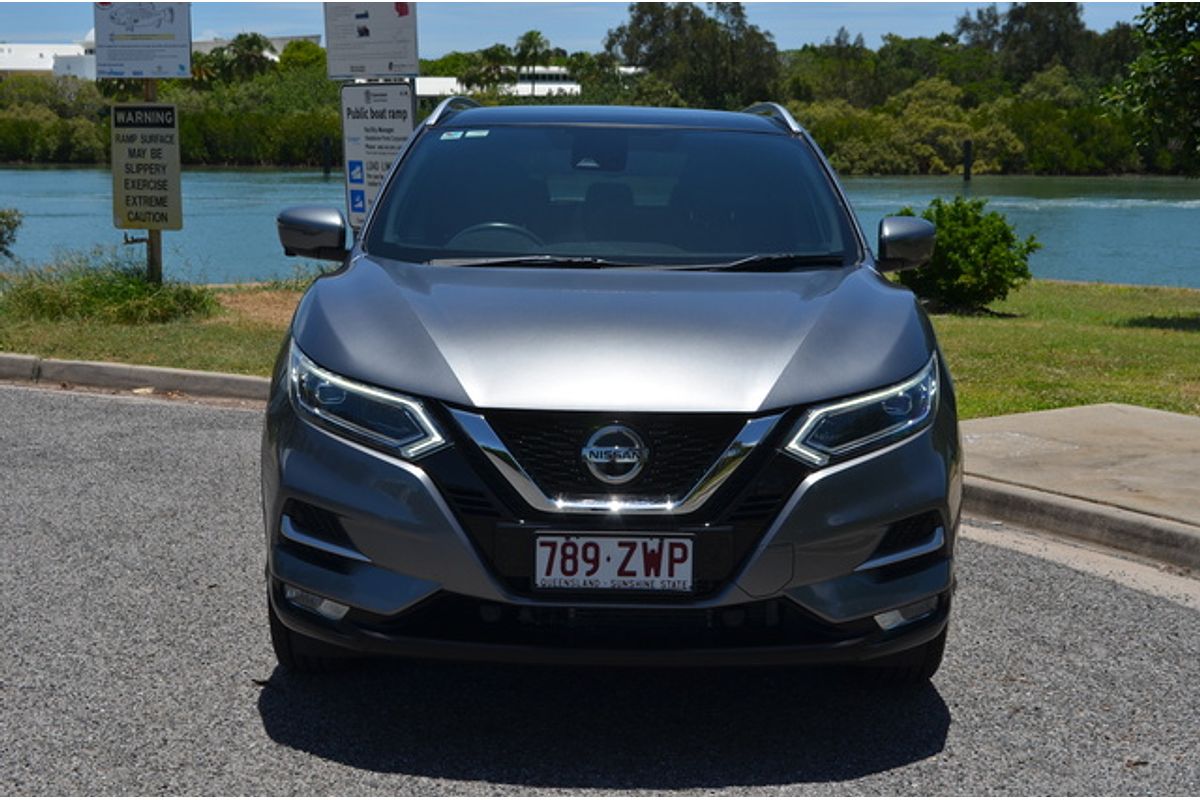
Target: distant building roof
[446, 86]
[33, 58]
[537, 81]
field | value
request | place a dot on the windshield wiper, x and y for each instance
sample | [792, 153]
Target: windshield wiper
[531, 261]
[766, 262]
[760, 262]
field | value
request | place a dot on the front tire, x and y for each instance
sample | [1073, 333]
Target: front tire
[298, 653]
[912, 667]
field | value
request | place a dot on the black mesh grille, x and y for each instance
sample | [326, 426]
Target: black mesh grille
[548, 445]
[764, 623]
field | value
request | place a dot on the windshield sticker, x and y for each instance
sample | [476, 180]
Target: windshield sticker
[452, 135]
[476, 134]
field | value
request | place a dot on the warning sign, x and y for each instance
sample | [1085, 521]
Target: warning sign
[377, 119]
[145, 167]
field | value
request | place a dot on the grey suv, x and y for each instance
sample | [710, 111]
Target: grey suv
[610, 385]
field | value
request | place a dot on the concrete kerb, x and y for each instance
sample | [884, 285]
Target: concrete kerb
[18, 367]
[131, 376]
[1116, 528]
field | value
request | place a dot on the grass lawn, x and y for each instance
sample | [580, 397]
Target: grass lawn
[1075, 344]
[1050, 345]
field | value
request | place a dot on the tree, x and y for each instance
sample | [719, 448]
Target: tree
[10, 220]
[600, 82]
[246, 56]
[206, 68]
[1162, 90]
[1036, 35]
[983, 31]
[1054, 86]
[454, 64]
[714, 60]
[1104, 58]
[932, 124]
[489, 68]
[302, 54]
[532, 50]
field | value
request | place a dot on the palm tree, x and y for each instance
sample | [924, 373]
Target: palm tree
[533, 50]
[248, 55]
[204, 68]
[489, 68]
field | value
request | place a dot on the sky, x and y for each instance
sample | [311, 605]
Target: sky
[446, 26]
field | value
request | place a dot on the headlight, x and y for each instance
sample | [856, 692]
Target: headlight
[872, 420]
[389, 421]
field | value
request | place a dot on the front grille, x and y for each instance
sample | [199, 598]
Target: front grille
[759, 507]
[727, 527]
[548, 446]
[471, 502]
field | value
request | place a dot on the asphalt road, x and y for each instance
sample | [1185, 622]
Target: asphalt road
[134, 659]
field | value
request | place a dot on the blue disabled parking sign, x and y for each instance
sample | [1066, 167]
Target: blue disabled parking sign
[355, 172]
[358, 201]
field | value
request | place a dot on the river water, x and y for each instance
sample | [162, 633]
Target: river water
[1120, 230]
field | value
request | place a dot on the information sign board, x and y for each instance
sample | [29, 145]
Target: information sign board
[371, 40]
[377, 119]
[143, 40]
[145, 167]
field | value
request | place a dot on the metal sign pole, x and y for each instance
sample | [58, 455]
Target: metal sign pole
[154, 269]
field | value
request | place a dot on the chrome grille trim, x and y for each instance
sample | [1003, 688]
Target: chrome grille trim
[501, 458]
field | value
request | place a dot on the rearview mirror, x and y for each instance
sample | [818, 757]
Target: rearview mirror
[314, 232]
[904, 243]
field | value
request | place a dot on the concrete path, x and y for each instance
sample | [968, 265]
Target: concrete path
[1123, 476]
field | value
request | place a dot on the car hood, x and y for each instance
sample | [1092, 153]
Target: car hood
[613, 340]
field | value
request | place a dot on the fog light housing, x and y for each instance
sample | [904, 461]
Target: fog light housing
[328, 609]
[906, 614]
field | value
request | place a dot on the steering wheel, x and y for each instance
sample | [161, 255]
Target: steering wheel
[496, 227]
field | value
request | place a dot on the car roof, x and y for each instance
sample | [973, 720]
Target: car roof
[611, 115]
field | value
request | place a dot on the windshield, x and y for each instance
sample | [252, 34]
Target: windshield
[598, 196]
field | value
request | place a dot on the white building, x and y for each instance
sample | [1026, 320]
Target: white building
[81, 65]
[34, 59]
[532, 82]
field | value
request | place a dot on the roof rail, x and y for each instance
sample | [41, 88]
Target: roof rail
[457, 103]
[777, 113]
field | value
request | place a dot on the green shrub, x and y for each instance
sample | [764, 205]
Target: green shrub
[10, 220]
[978, 258]
[102, 287]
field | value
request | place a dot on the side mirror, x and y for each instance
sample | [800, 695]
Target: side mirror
[314, 232]
[904, 243]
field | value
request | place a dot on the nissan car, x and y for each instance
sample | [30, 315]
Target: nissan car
[616, 386]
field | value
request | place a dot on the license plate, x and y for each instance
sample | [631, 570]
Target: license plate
[638, 563]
